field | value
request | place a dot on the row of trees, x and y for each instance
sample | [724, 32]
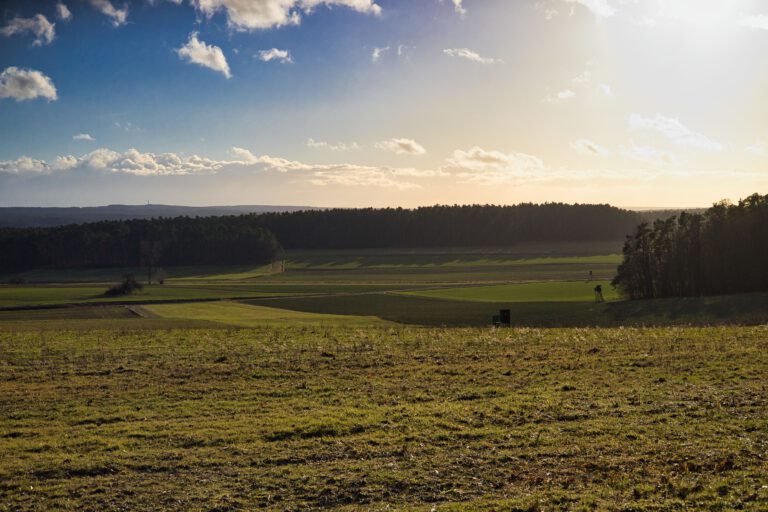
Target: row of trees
[249, 239]
[146, 243]
[722, 251]
[448, 226]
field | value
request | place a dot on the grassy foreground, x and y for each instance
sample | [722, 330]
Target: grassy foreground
[319, 417]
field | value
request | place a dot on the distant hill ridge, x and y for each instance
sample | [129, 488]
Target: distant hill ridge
[32, 216]
[25, 217]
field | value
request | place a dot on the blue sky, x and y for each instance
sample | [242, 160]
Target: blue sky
[382, 102]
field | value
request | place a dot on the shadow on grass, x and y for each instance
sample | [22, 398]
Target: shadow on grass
[737, 309]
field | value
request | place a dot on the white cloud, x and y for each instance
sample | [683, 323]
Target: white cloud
[583, 82]
[564, 95]
[244, 155]
[759, 21]
[62, 12]
[476, 165]
[264, 14]
[759, 149]
[136, 163]
[354, 176]
[312, 143]
[209, 56]
[584, 78]
[148, 164]
[605, 89]
[402, 146]
[477, 159]
[550, 14]
[127, 126]
[30, 166]
[459, 7]
[377, 53]
[348, 175]
[84, 136]
[675, 131]
[38, 25]
[649, 155]
[65, 162]
[466, 53]
[600, 8]
[586, 147]
[283, 56]
[24, 165]
[105, 7]
[25, 84]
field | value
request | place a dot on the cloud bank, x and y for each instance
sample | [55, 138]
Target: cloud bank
[477, 165]
[263, 14]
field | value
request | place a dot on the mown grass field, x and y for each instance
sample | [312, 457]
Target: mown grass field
[233, 314]
[751, 309]
[33, 295]
[327, 417]
[41, 295]
[325, 273]
[558, 291]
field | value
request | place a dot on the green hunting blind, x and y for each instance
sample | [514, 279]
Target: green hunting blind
[504, 318]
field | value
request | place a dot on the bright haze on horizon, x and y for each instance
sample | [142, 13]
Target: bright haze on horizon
[382, 102]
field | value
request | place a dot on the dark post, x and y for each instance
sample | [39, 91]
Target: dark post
[505, 316]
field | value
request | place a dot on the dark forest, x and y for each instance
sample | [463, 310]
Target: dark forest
[257, 238]
[130, 243]
[723, 251]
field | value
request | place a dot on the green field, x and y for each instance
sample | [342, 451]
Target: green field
[234, 314]
[376, 418]
[32, 295]
[543, 285]
[324, 273]
[561, 291]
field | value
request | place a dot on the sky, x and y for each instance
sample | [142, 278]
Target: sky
[353, 103]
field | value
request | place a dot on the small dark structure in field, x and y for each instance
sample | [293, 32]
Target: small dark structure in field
[127, 287]
[504, 318]
[599, 293]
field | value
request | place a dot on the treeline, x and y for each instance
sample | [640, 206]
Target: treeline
[722, 251]
[448, 226]
[256, 238]
[132, 243]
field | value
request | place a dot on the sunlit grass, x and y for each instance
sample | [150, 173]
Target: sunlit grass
[244, 315]
[346, 418]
